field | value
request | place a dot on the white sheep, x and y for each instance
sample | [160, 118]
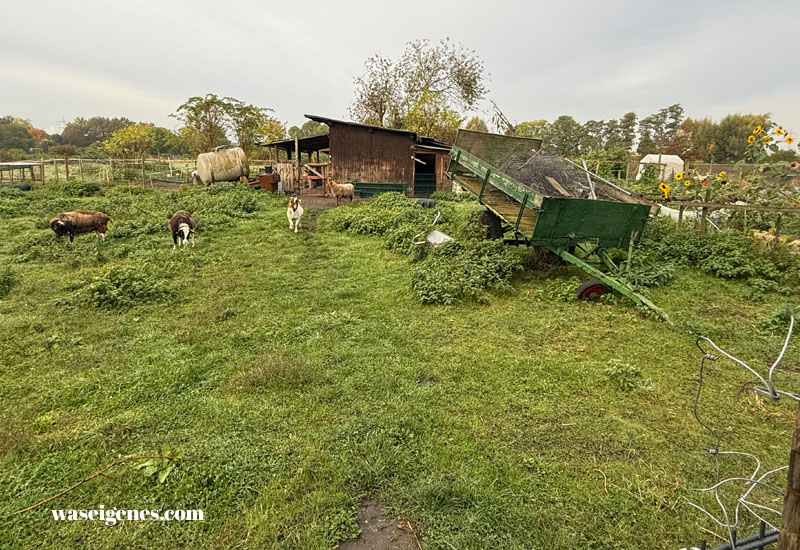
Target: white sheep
[340, 190]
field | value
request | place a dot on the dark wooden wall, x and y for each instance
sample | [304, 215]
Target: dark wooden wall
[370, 155]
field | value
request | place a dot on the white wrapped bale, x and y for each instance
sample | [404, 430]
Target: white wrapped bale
[224, 165]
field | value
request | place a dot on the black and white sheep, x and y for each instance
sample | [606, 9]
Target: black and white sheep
[181, 226]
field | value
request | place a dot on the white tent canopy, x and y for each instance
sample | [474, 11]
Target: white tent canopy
[670, 165]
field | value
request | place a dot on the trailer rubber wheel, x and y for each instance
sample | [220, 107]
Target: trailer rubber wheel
[591, 290]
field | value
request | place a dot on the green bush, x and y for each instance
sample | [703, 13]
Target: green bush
[453, 197]
[81, 189]
[627, 377]
[7, 281]
[453, 271]
[724, 254]
[122, 287]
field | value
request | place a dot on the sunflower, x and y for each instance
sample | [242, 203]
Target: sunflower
[766, 140]
[789, 140]
[779, 131]
[679, 176]
[687, 183]
[722, 174]
[757, 129]
[751, 139]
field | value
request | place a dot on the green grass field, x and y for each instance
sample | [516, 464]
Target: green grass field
[301, 375]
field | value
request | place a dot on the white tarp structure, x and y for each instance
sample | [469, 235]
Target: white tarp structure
[670, 165]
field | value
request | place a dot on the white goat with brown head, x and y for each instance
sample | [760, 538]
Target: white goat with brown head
[294, 212]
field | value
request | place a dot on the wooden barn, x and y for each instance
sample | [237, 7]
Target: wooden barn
[378, 159]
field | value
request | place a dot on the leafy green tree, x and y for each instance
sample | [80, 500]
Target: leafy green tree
[730, 139]
[429, 116]
[14, 134]
[566, 136]
[477, 124]
[428, 80]
[593, 135]
[166, 142]
[82, 132]
[309, 128]
[207, 120]
[246, 121]
[133, 141]
[540, 129]
[658, 131]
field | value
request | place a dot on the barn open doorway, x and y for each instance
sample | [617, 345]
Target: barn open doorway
[424, 174]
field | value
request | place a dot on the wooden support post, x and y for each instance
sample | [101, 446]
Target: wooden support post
[789, 537]
[704, 214]
[297, 161]
[66, 167]
[80, 168]
[11, 173]
[143, 179]
[110, 170]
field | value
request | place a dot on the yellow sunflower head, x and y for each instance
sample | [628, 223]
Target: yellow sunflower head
[722, 174]
[766, 140]
[751, 139]
[679, 176]
[757, 129]
[778, 131]
[789, 140]
[687, 183]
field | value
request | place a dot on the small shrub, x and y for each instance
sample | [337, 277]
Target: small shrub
[453, 271]
[122, 287]
[646, 270]
[627, 377]
[558, 289]
[81, 189]
[7, 281]
[778, 321]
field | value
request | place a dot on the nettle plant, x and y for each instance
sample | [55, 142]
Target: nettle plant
[772, 182]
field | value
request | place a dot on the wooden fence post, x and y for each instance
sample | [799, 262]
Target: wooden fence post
[66, 167]
[704, 215]
[789, 537]
[143, 180]
[55, 167]
[80, 167]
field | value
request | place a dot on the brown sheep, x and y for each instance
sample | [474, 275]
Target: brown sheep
[80, 221]
[340, 190]
[181, 226]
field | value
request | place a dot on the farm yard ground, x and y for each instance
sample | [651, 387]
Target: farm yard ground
[303, 377]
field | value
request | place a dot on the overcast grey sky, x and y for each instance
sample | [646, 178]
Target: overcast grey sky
[593, 60]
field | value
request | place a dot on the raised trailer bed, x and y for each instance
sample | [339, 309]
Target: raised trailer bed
[542, 201]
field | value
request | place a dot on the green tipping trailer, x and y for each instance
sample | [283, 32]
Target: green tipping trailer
[551, 214]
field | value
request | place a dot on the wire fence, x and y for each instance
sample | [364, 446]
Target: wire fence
[754, 495]
[148, 171]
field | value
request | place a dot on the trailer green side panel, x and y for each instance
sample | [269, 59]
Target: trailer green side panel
[564, 222]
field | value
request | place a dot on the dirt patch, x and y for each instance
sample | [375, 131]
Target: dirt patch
[379, 532]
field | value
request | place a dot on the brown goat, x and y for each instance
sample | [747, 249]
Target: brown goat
[181, 226]
[80, 221]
